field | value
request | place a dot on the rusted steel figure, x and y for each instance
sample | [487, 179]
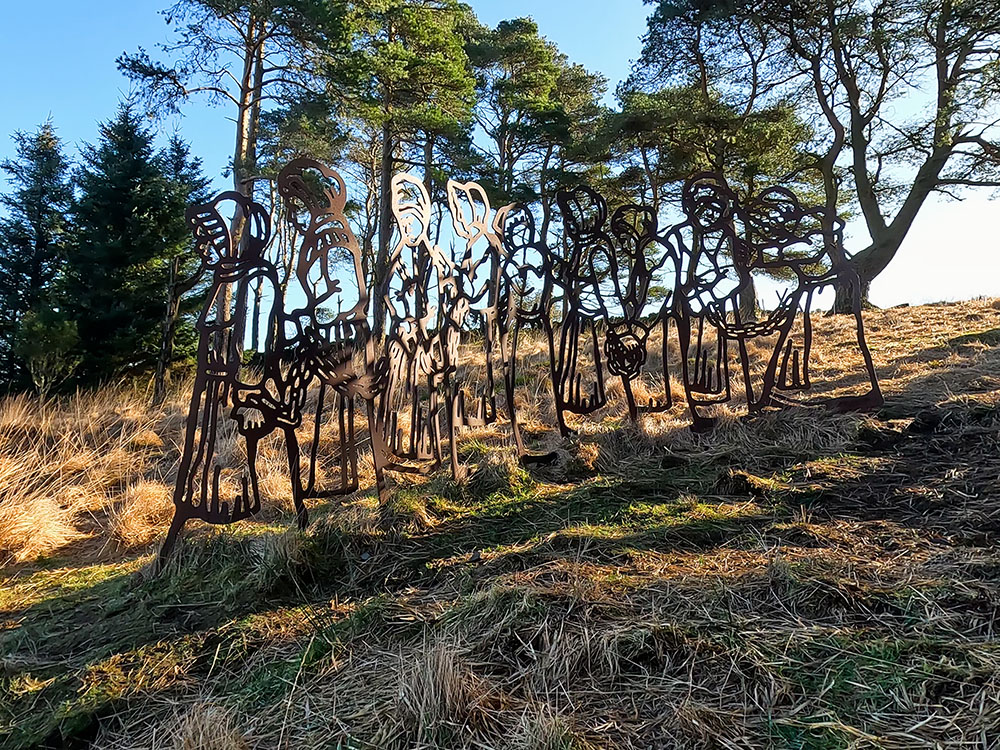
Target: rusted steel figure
[231, 246]
[325, 341]
[783, 236]
[707, 282]
[527, 290]
[577, 276]
[453, 315]
[306, 346]
[415, 344]
[474, 294]
[639, 261]
[716, 265]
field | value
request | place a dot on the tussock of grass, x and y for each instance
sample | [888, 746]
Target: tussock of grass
[438, 694]
[144, 514]
[208, 727]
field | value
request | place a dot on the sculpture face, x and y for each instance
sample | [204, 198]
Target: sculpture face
[527, 263]
[583, 210]
[411, 208]
[213, 225]
[708, 202]
[328, 261]
[470, 208]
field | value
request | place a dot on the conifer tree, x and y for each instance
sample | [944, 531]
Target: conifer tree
[32, 237]
[187, 185]
[125, 235]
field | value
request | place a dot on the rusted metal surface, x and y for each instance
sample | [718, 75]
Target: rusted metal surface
[600, 295]
[307, 348]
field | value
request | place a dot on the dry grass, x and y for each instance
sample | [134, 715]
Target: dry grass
[207, 727]
[799, 581]
[145, 512]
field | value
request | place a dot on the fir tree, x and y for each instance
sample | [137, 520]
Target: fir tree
[125, 235]
[186, 185]
[32, 238]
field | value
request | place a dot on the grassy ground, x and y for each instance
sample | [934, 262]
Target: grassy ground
[803, 580]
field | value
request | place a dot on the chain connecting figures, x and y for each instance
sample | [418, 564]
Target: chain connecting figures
[601, 297]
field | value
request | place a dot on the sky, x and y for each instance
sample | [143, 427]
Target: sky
[58, 58]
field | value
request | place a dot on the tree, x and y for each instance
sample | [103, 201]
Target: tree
[124, 239]
[32, 237]
[661, 138]
[406, 78]
[48, 345]
[186, 185]
[901, 94]
[536, 111]
[701, 98]
[267, 42]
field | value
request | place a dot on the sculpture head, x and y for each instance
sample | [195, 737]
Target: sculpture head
[411, 208]
[632, 224]
[515, 224]
[708, 202]
[311, 191]
[583, 210]
[470, 208]
[229, 231]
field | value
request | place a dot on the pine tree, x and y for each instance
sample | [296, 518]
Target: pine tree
[32, 238]
[125, 235]
[405, 76]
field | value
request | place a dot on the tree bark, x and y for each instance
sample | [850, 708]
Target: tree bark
[169, 330]
[384, 232]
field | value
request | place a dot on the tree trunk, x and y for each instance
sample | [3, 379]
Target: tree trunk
[169, 329]
[848, 295]
[749, 304]
[429, 165]
[868, 264]
[249, 166]
[176, 289]
[384, 232]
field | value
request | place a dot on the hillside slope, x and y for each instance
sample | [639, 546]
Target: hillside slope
[801, 580]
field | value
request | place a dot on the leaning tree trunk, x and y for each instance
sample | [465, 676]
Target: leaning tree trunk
[868, 264]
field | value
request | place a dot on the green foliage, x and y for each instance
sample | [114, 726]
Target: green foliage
[32, 237]
[186, 186]
[47, 345]
[536, 108]
[128, 228]
[406, 67]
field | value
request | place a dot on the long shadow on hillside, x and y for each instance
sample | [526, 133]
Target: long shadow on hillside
[941, 472]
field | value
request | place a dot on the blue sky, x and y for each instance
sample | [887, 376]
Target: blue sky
[57, 58]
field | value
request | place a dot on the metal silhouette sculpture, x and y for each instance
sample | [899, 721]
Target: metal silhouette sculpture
[527, 283]
[703, 268]
[784, 237]
[707, 284]
[443, 310]
[325, 341]
[640, 260]
[412, 405]
[231, 247]
[307, 347]
[456, 321]
[576, 274]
